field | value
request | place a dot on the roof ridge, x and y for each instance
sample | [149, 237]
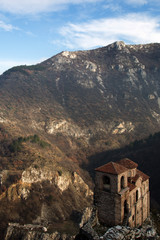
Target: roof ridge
[114, 166]
[127, 163]
[143, 175]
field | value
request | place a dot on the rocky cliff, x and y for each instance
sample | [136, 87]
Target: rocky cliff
[90, 229]
[78, 103]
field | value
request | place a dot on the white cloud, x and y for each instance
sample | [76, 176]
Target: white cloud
[7, 27]
[113, 6]
[133, 28]
[137, 2]
[37, 6]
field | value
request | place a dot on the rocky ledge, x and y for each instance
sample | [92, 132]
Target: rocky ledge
[90, 229]
[126, 233]
[33, 232]
[118, 233]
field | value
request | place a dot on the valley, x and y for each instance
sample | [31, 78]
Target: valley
[64, 117]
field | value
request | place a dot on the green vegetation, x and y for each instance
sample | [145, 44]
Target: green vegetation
[16, 145]
[35, 139]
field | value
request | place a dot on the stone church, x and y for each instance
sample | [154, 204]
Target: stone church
[122, 193]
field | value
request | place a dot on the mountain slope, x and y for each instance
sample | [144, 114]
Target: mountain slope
[78, 104]
[111, 90]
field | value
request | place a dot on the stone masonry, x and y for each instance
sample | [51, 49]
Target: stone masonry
[122, 194]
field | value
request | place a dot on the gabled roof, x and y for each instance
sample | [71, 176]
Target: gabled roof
[143, 175]
[126, 162]
[112, 168]
[131, 186]
[135, 178]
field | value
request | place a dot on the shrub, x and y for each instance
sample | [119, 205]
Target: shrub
[35, 139]
[43, 144]
[15, 146]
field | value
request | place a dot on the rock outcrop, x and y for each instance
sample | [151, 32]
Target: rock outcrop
[33, 232]
[126, 233]
[91, 229]
[61, 180]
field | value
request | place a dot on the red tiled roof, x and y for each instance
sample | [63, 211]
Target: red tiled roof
[131, 186]
[135, 178]
[112, 168]
[126, 162]
[143, 175]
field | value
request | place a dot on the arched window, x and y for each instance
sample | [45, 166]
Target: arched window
[137, 196]
[122, 182]
[106, 183]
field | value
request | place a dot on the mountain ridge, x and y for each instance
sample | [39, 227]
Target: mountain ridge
[105, 85]
[80, 103]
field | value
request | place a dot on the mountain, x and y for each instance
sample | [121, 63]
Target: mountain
[89, 95]
[57, 114]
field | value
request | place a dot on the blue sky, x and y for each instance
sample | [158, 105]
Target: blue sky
[34, 30]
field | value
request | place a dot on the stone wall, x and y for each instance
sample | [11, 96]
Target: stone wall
[119, 203]
[108, 205]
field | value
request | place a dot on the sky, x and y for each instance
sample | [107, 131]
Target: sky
[34, 30]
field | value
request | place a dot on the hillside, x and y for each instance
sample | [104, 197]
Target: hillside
[87, 95]
[56, 115]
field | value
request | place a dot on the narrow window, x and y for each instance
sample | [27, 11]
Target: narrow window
[106, 183]
[122, 182]
[137, 196]
[125, 207]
